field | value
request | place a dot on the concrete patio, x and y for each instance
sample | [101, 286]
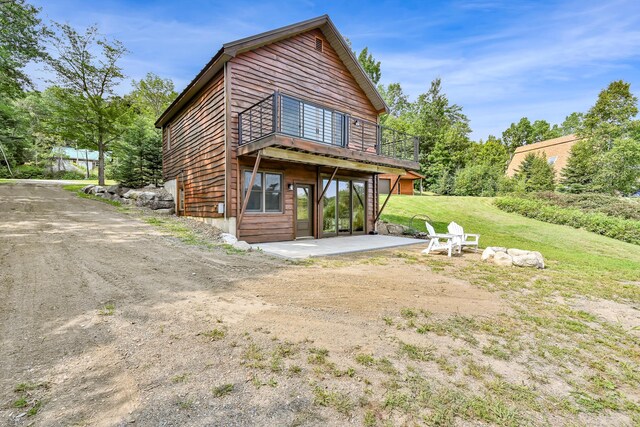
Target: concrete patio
[300, 249]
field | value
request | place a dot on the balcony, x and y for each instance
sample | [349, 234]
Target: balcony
[283, 120]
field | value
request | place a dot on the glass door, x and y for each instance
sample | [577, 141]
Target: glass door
[343, 207]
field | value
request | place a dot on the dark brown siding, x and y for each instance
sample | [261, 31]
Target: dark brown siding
[293, 67]
[196, 155]
[270, 227]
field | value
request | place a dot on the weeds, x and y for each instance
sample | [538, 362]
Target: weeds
[222, 390]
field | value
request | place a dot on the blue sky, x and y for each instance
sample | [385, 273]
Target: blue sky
[499, 60]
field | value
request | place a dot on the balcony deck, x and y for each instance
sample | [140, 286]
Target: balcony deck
[287, 128]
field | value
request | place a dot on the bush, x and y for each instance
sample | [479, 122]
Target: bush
[593, 202]
[69, 175]
[626, 230]
[28, 172]
[477, 180]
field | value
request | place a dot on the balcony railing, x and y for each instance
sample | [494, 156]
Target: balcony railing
[286, 115]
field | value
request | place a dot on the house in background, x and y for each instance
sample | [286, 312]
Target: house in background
[74, 159]
[404, 186]
[277, 138]
[557, 151]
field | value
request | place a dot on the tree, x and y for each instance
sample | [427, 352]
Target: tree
[535, 173]
[370, 65]
[21, 36]
[581, 168]
[524, 132]
[139, 152]
[572, 124]
[481, 179]
[87, 65]
[619, 168]
[492, 152]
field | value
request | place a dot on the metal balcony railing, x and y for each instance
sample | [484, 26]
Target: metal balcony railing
[287, 115]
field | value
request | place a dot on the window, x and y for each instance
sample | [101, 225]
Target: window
[309, 121]
[552, 160]
[168, 129]
[266, 193]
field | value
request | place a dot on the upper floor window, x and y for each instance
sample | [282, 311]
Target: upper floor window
[265, 194]
[309, 121]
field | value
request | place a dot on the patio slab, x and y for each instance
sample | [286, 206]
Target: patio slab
[301, 249]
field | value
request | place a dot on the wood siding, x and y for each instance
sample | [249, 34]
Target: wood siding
[271, 227]
[196, 155]
[292, 66]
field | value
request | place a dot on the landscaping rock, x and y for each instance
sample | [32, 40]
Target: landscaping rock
[164, 195]
[503, 259]
[96, 189]
[87, 189]
[382, 228]
[131, 194]
[396, 229]
[488, 253]
[241, 245]
[528, 259]
[164, 211]
[156, 204]
[145, 196]
[227, 238]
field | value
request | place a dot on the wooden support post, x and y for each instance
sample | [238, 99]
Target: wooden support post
[246, 197]
[387, 199]
[324, 191]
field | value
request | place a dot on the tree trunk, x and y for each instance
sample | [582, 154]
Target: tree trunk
[100, 160]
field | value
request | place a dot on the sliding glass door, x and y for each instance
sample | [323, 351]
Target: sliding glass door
[343, 207]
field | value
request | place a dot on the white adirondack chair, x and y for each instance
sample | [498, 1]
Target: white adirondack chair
[439, 242]
[463, 239]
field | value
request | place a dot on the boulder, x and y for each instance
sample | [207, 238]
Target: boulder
[131, 194]
[502, 259]
[517, 252]
[96, 189]
[164, 195]
[146, 196]
[382, 228]
[528, 259]
[488, 253]
[241, 245]
[87, 189]
[227, 238]
[498, 248]
[163, 211]
[396, 229]
[156, 204]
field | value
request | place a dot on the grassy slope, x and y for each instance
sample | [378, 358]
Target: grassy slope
[79, 181]
[573, 249]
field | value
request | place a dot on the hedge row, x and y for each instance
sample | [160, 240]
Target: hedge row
[621, 229]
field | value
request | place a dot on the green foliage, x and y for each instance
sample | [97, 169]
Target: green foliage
[592, 202]
[620, 229]
[578, 174]
[139, 155]
[370, 65]
[524, 132]
[478, 180]
[535, 174]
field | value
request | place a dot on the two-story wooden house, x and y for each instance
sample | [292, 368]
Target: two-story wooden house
[277, 138]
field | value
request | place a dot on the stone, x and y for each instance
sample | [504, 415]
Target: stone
[498, 248]
[96, 189]
[164, 195]
[164, 211]
[528, 259]
[227, 238]
[517, 252]
[503, 259]
[241, 245]
[488, 253]
[87, 188]
[396, 229]
[131, 194]
[382, 228]
[146, 196]
[158, 204]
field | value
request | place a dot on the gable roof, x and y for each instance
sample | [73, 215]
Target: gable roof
[557, 151]
[231, 49]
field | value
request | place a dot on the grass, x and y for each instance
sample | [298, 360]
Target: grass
[107, 310]
[572, 249]
[79, 182]
[222, 390]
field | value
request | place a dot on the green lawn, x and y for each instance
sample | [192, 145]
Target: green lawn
[572, 249]
[70, 181]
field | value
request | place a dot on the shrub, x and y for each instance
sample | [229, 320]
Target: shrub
[29, 172]
[618, 228]
[593, 202]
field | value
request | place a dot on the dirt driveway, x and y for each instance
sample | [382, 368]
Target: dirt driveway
[106, 321]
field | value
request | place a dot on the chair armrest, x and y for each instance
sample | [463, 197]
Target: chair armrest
[477, 236]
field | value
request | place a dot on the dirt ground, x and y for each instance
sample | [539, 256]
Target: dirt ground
[105, 321]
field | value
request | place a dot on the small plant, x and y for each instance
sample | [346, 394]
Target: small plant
[180, 378]
[408, 313]
[20, 403]
[388, 320]
[415, 352]
[365, 359]
[34, 409]
[318, 356]
[254, 357]
[107, 310]
[185, 404]
[295, 369]
[222, 390]
[214, 335]
[338, 401]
